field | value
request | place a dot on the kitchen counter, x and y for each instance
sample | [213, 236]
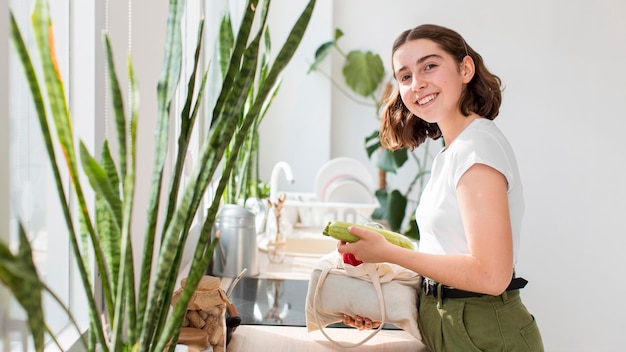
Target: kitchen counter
[259, 337]
[289, 338]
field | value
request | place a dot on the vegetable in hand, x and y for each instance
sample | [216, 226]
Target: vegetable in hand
[339, 230]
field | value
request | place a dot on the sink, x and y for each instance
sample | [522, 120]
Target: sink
[310, 246]
[305, 243]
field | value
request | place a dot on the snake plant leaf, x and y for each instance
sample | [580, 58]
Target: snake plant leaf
[118, 106]
[108, 232]
[109, 235]
[166, 87]
[19, 274]
[57, 103]
[233, 118]
[164, 276]
[187, 120]
[186, 117]
[363, 72]
[183, 144]
[108, 164]
[170, 242]
[129, 189]
[97, 176]
[236, 56]
[281, 61]
[168, 81]
[38, 100]
[226, 43]
[98, 179]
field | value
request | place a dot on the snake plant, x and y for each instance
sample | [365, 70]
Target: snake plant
[139, 317]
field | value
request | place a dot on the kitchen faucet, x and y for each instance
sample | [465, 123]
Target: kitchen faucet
[281, 165]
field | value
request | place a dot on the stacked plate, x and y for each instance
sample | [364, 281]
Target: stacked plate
[344, 180]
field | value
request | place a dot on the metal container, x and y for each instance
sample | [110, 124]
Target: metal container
[237, 248]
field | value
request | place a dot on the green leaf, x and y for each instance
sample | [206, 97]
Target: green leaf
[99, 181]
[118, 105]
[392, 208]
[412, 229]
[380, 213]
[363, 72]
[235, 57]
[320, 54]
[396, 209]
[19, 274]
[42, 28]
[372, 143]
[391, 161]
[108, 232]
[338, 34]
[226, 42]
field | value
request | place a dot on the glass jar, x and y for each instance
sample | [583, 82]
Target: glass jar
[276, 233]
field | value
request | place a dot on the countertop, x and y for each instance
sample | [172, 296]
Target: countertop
[278, 338]
[273, 338]
[289, 338]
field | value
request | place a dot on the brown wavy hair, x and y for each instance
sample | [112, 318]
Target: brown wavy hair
[400, 128]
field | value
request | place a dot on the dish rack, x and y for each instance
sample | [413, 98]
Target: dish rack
[305, 210]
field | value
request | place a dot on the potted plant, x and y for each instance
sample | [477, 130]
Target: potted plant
[140, 318]
[246, 182]
[364, 74]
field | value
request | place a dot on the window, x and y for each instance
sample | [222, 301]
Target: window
[34, 200]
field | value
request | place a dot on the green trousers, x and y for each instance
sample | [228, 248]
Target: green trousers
[487, 323]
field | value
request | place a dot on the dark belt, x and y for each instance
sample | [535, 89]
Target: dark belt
[430, 288]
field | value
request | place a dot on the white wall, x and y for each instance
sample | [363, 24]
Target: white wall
[564, 67]
[299, 119]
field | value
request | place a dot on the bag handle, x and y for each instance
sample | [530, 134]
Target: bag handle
[381, 301]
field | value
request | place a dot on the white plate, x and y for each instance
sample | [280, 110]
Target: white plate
[342, 168]
[347, 190]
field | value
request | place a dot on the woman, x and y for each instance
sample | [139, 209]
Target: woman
[470, 212]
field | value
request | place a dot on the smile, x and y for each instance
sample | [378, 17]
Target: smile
[427, 99]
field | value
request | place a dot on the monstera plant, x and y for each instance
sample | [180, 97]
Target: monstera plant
[139, 317]
[364, 74]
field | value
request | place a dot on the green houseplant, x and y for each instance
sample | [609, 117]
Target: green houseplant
[246, 182]
[140, 317]
[364, 74]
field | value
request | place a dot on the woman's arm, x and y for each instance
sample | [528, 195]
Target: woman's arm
[483, 203]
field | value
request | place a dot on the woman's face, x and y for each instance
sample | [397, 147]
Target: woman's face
[429, 79]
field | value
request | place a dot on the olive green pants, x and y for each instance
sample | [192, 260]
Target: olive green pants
[487, 323]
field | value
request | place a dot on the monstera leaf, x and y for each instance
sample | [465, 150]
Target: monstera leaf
[363, 72]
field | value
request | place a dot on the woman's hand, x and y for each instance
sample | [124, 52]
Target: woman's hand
[360, 322]
[369, 248]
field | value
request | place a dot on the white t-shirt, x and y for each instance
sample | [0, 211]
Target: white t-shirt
[438, 215]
